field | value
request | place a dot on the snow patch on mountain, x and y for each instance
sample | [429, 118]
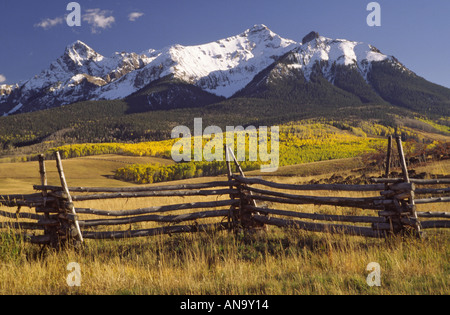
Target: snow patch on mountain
[6, 89]
[327, 53]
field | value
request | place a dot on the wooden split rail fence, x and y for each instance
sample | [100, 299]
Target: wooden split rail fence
[236, 203]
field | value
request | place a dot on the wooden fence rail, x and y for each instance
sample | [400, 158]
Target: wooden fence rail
[319, 227]
[137, 189]
[239, 205]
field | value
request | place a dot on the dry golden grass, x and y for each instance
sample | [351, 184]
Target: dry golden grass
[280, 262]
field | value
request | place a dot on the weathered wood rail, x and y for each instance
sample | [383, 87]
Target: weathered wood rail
[58, 221]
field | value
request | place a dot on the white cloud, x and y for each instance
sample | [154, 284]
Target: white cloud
[2, 78]
[133, 16]
[98, 19]
[49, 23]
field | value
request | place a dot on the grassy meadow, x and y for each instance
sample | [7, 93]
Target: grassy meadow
[272, 262]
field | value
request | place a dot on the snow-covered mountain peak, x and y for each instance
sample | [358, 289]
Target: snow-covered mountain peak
[340, 51]
[319, 52]
[258, 29]
[79, 45]
[79, 53]
[260, 33]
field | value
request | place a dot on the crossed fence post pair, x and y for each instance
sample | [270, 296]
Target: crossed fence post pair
[242, 216]
[410, 206]
[67, 216]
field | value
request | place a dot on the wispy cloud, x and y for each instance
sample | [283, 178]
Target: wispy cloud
[98, 19]
[2, 78]
[133, 16]
[49, 23]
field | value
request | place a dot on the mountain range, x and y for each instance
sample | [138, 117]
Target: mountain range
[256, 64]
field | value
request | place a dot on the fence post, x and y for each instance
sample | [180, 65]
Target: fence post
[48, 230]
[402, 159]
[232, 219]
[245, 216]
[388, 157]
[393, 211]
[43, 173]
[411, 204]
[68, 202]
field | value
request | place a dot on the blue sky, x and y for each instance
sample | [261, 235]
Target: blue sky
[35, 33]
